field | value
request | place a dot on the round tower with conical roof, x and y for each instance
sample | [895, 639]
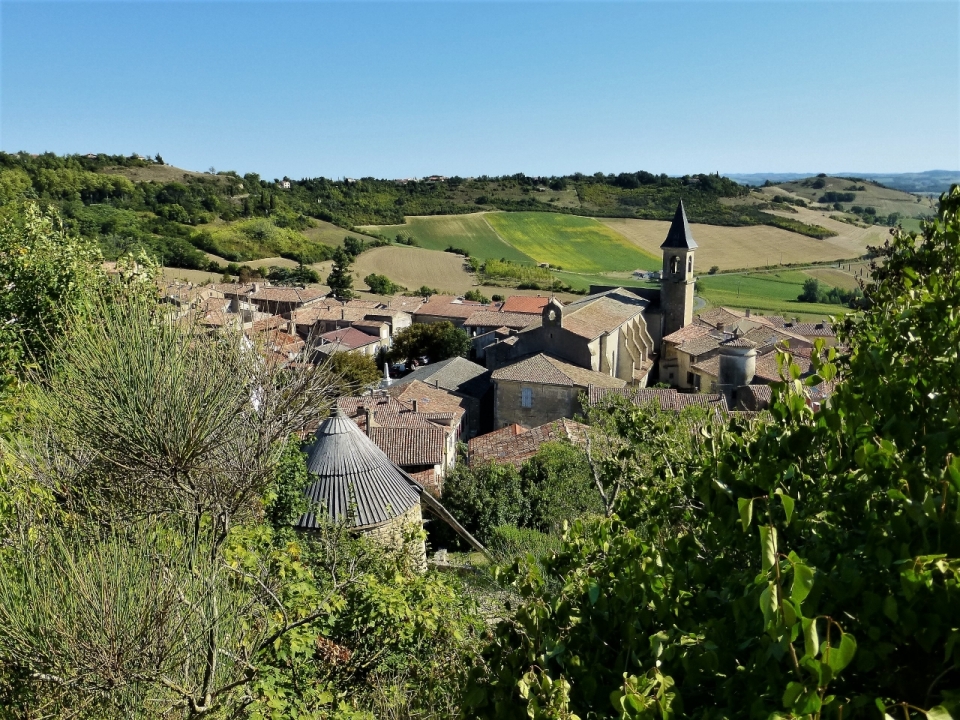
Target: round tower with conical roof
[352, 481]
[676, 279]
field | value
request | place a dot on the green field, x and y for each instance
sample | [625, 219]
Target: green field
[579, 281]
[470, 232]
[768, 293]
[574, 243]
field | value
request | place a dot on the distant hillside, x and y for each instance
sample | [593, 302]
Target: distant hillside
[134, 202]
[931, 181]
[857, 201]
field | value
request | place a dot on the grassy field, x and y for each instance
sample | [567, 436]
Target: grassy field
[330, 234]
[774, 293]
[732, 248]
[470, 232]
[573, 243]
[413, 267]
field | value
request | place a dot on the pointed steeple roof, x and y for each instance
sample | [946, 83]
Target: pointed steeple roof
[352, 479]
[679, 235]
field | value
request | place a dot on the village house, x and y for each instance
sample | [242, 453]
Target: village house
[665, 398]
[272, 299]
[542, 388]
[447, 308]
[464, 379]
[347, 339]
[418, 427]
[526, 304]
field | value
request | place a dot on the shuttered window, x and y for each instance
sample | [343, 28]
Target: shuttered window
[526, 397]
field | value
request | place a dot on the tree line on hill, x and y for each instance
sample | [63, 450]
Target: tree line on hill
[241, 218]
[803, 563]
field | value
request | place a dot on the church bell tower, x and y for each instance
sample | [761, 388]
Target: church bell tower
[676, 279]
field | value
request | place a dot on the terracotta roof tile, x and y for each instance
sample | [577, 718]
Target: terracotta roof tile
[486, 318]
[510, 446]
[524, 304]
[347, 338]
[668, 399]
[447, 306]
[411, 446]
[548, 370]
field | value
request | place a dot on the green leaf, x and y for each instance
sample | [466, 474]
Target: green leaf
[939, 712]
[746, 511]
[768, 545]
[594, 592]
[803, 577]
[792, 693]
[890, 608]
[789, 613]
[768, 603]
[811, 641]
[787, 506]
[842, 654]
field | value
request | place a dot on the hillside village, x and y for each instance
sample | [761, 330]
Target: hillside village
[534, 364]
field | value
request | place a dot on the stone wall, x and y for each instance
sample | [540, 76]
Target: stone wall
[550, 402]
[391, 534]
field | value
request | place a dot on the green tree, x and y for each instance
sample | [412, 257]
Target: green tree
[353, 246]
[46, 275]
[476, 296]
[437, 341]
[356, 372]
[381, 284]
[340, 278]
[811, 291]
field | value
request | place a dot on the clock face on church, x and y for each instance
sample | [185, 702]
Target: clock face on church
[552, 315]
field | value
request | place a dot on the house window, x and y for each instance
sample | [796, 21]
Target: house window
[689, 263]
[526, 398]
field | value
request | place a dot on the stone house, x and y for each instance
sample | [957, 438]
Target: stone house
[541, 388]
[446, 308]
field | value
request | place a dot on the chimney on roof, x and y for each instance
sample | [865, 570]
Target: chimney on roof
[256, 288]
[416, 405]
[721, 327]
[292, 326]
[371, 423]
[235, 304]
[748, 312]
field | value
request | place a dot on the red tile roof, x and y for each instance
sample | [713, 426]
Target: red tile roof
[347, 338]
[524, 304]
[449, 306]
[408, 446]
[509, 446]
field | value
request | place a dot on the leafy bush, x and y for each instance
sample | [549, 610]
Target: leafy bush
[507, 543]
[382, 285]
[476, 296]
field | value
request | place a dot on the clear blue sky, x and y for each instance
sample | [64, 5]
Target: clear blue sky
[409, 89]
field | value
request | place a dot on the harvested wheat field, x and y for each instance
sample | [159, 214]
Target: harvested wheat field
[197, 277]
[730, 248]
[413, 267]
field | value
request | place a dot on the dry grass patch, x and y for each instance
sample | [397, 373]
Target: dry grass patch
[753, 246]
[413, 267]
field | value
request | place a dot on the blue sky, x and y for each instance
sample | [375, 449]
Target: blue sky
[408, 89]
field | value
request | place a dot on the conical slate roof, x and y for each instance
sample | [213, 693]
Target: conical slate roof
[351, 478]
[679, 235]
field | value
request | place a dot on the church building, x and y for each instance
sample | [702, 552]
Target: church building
[615, 333]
